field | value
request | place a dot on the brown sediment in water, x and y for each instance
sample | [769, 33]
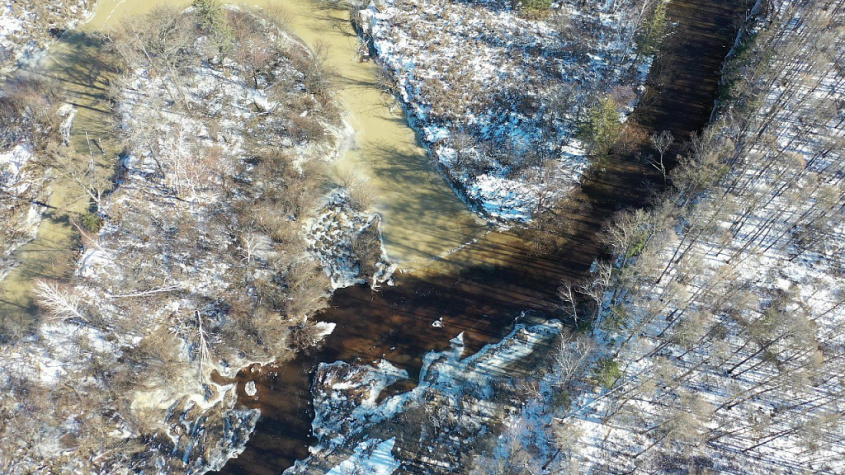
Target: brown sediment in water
[422, 218]
[480, 289]
[73, 63]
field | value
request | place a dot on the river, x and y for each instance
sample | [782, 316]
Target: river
[481, 288]
[478, 289]
[422, 218]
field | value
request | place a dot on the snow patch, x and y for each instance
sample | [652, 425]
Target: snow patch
[249, 389]
[370, 457]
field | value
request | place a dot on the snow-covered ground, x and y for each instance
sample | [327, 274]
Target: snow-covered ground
[199, 268]
[371, 457]
[27, 27]
[497, 97]
[724, 339]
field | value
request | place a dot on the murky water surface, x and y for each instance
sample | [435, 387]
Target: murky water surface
[479, 289]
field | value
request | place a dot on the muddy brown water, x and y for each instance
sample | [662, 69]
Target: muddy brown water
[422, 218]
[478, 290]
[482, 288]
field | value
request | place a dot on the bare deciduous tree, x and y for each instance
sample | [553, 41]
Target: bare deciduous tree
[60, 301]
[661, 143]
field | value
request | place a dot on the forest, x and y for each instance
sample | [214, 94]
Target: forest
[715, 331]
[180, 222]
[192, 262]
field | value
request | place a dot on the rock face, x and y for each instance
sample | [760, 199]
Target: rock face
[199, 440]
[347, 242]
[431, 425]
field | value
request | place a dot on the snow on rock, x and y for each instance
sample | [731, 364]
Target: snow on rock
[207, 443]
[348, 412]
[372, 457]
[68, 113]
[324, 329]
[249, 389]
[347, 242]
[345, 398]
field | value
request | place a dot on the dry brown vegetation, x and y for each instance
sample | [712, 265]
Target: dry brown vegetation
[195, 261]
[42, 22]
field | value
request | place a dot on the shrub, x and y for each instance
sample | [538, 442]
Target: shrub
[606, 372]
[211, 18]
[366, 246]
[601, 127]
[652, 31]
[91, 221]
[307, 128]
[535, 8]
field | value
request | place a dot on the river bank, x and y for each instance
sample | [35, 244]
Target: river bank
[483, 287]
[73, 65]
[422, 218]
[499, 93]
[465, 279]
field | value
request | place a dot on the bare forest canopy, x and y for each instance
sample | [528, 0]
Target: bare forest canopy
[193, 262]
[714, 336]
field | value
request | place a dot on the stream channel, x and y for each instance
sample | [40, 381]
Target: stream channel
[453, 268]
[479, 289]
